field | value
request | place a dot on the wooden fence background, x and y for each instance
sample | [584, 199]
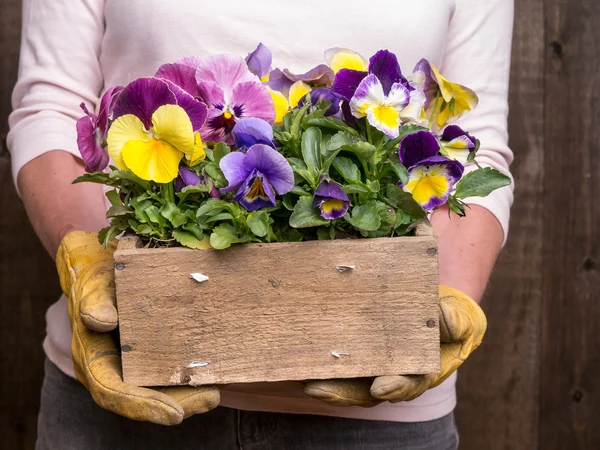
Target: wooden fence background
[534, 383]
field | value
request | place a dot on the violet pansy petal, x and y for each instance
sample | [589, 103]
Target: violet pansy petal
[346, 82]
[94, 156]
[250, 131]
[107, 104]
[259, 61]
[416, 147]
[321, 75]
[384, 64]
[432, 179]
[189, 177]
[452, 132]
[190, 61]
[142, 97]
[331, 189]
[430, 85]
[226, 71]
[279, 82]
[252, 99]
[179, 184]
[455, 168]
[332, 209]
[182, 75]
[235, 169]
[327, 95]
[195, 109]
[273, 165]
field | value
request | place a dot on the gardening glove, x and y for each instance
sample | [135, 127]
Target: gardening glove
[86, 272]
[462, 326]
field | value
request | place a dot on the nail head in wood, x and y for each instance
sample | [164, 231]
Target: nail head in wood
[431, 323]
[120, 266]
[432, 251]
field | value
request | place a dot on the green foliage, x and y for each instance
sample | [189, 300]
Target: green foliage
[480, 183]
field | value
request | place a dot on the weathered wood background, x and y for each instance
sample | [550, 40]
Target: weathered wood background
[534, 383]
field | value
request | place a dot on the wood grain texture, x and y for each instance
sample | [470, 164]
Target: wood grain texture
[272, 312]
[498, 387]
[570, 363]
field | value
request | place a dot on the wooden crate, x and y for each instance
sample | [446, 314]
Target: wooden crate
[281, 311]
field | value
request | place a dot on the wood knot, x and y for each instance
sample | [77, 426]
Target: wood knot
[558, 48]
[577, 395]
[275, 282]
[589, 265]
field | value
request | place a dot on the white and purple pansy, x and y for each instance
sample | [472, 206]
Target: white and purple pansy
[431, 177]
[331, 199]
[257, 176]
[382, 95]
[92, 129]
[457, 143]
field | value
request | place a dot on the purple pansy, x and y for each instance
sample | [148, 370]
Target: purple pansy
[143, 96]
[282, 80]
[188, 177]
[327, 95]
[92, 129]
[259, 61]
[431, 177]
[257, 175]
[231, 92]
[251, 131]
[331, 199]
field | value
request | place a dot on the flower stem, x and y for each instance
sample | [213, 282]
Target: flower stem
[369, 132]
[168, 192]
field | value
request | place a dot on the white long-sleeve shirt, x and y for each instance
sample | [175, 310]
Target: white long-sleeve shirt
[72, 50]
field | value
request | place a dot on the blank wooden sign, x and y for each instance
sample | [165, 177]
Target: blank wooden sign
[281, 311]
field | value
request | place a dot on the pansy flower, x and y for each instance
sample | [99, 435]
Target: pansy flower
[188, 177]
[344, 58]
[431, 177]
[92, 129]
[327, 95]
[259, 62]
[231, 92]
[445, 101]
[382, 95]
[283, 104]
[458, 143]
[153, 129]
[331, 199]
[257, 176]
[251, 131]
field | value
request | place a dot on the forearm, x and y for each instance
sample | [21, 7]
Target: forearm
[468, 248]
[54, 205]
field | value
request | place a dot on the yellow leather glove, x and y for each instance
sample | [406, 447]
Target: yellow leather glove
[86, 272]
[462, 326]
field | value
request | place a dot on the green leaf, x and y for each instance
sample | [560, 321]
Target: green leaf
[220, 216]
[298, 116]
[347, 169]
[172, 213]
[305, 216]
[365, 217]
[127, 175]
[355, 189]
[339, 139]
[113, 198]
[480, 183]
[118, 210]
[188, 239]
[189, 190]
[400, 171]
[332, 124]
[223, 236]
[387, 214]
[362, 149]
[219, 151]
[300, 191]
[155, 216]
[258, 221]
[96, 177]
[311, 149]
[194, 228]
[216, 174]
[456, 206]
[405, 201]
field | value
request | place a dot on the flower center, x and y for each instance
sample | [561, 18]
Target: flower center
[331, 205]
[257, 190]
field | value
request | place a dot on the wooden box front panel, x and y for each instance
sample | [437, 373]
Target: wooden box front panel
[282, 311]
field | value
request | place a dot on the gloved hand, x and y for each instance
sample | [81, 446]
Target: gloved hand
[462, 326]
[86, 272]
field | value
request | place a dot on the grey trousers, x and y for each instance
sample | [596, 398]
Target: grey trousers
[70, 420]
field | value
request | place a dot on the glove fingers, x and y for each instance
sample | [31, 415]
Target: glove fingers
[194, 400]
[400, 388]
[461, 318]
[98, 300]
[350, 392]
[451, 359]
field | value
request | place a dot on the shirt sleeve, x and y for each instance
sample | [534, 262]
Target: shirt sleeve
[59, 69]
[477, 55]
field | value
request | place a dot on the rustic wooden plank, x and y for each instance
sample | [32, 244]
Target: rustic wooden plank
[272, 312]
[498, 386]
[570, 394]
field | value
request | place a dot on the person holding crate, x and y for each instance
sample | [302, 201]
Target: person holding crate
[72, 51]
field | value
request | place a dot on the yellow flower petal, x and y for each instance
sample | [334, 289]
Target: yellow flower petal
[123, 129]
[153, 160]
[297, 92]
[173, 125]
[426, 184]
[343, 58]
[199, 153]
[463, 100]
[281, 104]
